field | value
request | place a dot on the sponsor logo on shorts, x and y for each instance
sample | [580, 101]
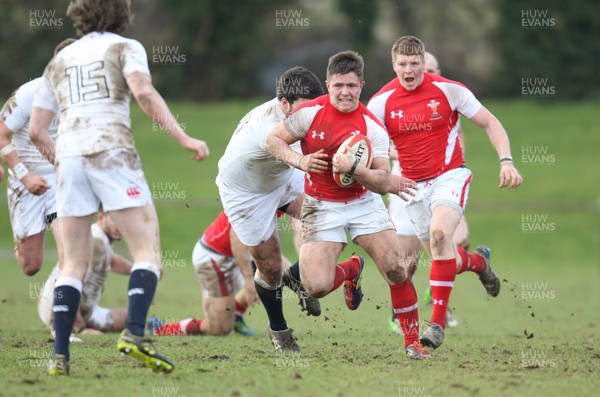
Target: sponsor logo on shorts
[133, 192]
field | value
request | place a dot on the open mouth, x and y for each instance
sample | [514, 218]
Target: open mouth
[409, 79]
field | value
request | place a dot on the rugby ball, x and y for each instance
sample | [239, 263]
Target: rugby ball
[359, 148]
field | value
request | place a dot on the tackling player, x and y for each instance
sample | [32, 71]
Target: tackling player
[254, 184]
[330, 211]
[90, 83]
[31, 199]
[421, 112]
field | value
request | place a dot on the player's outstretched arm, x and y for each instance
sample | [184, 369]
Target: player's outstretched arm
[509, 175]
[155, 107]
[278, 145]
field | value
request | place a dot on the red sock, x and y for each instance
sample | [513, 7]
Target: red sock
[404, 303]
[188, 326]
[441, 280]
[345, 271]
[239, 309]
[470, 261]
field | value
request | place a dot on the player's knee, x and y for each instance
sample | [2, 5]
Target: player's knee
[317, 290]
[397, 275]
[30, 266]
[217, 328]
[438, 239]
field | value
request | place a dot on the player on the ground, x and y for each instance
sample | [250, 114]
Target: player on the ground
[253, 184]
[421, 112]
[410, 246]
[31, 185]
[330, 211]
[224, 268]
[93, 317]
[90, 83]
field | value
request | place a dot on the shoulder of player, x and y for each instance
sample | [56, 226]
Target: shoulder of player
[318, 102]
[389, 87]
[439, 80]
[28, 90]
[312, 106]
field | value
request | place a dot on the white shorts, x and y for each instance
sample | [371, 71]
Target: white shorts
[29, 214]
[253, 216]
[113, 178]
[329, 221]
[397, 208]
[450, 189]
[219, 275]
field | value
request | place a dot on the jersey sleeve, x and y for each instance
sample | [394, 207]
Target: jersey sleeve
[299, 122]
[14, 112]
[44, 97]
[134, 58]
[380, 140]
[377, 105]
[460, 98]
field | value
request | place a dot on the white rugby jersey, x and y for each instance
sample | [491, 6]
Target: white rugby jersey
[86, 83]
[246, 164]
[16, 114]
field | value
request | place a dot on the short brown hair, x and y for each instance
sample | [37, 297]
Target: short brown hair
[63, 44]
[346, 62]
[298, 82]
[100, 15]
[408, 45]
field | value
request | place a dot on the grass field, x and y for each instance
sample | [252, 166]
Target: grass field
[538, 338]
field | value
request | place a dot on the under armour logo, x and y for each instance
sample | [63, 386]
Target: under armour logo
[355, 133]
[396, 114]
[133, 191]
[321, 135]
[135, 291]
[438, 301]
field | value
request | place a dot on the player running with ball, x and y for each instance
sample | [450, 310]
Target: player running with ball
[329, 211]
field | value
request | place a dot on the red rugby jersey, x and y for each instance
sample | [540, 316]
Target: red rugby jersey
[319, 125]
[423, 123]
[216, 236]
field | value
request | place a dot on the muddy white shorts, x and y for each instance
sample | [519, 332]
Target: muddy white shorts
[218, 274]
[113, 178]
[30, 214]
[253, 216]
[329, 221]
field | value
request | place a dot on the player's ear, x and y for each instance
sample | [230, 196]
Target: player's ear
[362, 84]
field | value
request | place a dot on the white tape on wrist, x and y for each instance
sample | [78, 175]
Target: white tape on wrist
[20, 170]
[7, 149]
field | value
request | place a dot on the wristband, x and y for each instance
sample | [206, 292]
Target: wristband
[20, 171]
[507, 159]
[298, 162]
[353, 168]
[7, 149]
